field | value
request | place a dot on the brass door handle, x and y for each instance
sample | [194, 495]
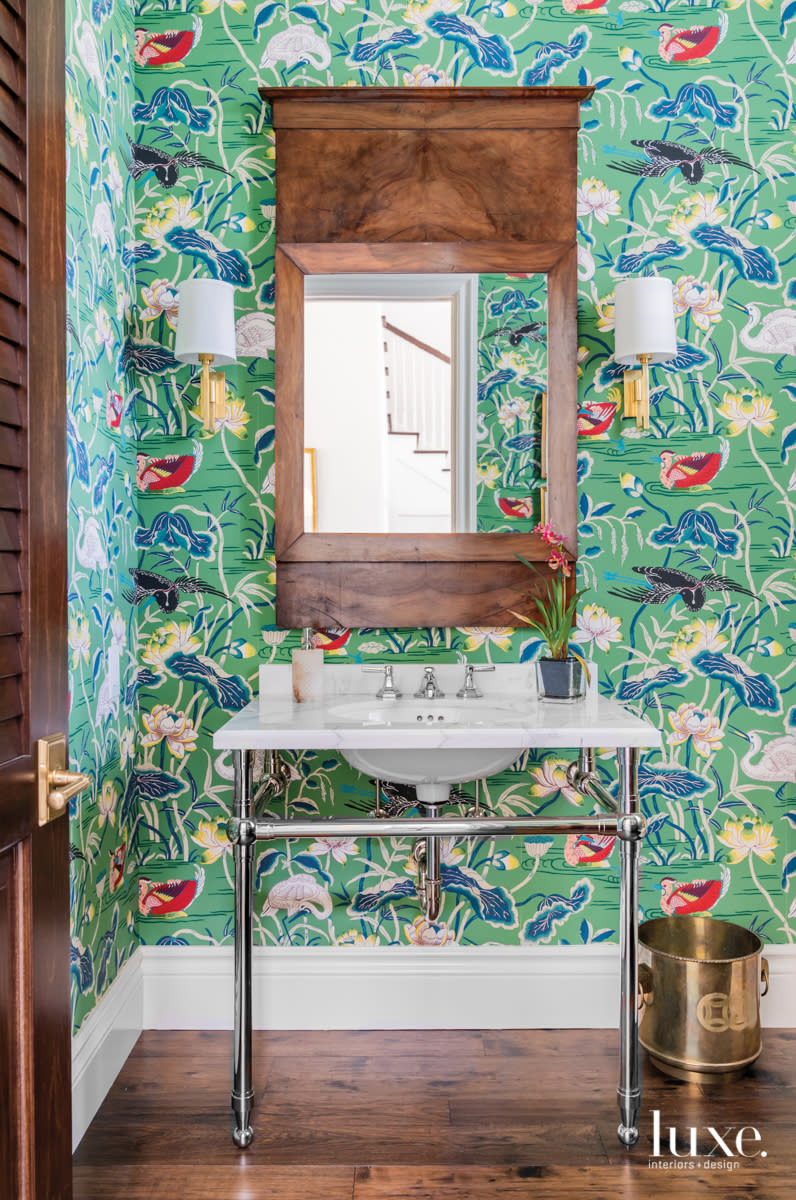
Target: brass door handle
[56, 784]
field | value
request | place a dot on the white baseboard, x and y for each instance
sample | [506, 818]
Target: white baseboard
[366, 987]
[103, 1042]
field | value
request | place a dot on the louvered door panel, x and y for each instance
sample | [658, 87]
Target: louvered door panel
[13, 378]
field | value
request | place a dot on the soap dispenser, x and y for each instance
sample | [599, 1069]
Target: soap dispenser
[307, 671]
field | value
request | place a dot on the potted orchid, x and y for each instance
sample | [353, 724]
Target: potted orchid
[560, 676]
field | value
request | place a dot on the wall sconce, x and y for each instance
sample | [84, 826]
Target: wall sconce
[206, 335]
[644, 334]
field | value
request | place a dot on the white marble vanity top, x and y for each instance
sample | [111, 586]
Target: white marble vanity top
[510, 714]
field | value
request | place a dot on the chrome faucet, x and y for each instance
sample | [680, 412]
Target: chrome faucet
[468, 690]
[388, 690]
[429, 689]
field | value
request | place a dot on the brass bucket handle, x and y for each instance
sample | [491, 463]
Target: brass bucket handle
[764, 975]
[646, 993]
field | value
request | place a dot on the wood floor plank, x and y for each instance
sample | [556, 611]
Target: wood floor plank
[449, 1115]
[563, 1183]
[235, 1181]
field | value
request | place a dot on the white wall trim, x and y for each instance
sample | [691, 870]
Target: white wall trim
[366, 987]
[103, 1042]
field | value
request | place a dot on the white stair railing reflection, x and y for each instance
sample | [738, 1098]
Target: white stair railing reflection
[418, 386]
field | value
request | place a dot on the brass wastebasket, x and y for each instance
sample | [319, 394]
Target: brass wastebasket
[699, 980]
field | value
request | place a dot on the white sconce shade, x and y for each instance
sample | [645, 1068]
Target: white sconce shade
[643, 334]
[206, 321]
[644, 320]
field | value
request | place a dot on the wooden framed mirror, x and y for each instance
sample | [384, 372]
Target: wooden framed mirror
[390, 182]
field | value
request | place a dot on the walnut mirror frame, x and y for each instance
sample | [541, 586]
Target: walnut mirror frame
[396, 180]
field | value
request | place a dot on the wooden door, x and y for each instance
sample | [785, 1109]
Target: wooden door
[35, 1100]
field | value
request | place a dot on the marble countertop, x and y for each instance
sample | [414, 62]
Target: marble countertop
[510, 714]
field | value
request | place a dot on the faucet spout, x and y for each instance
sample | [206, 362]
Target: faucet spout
[429, 688]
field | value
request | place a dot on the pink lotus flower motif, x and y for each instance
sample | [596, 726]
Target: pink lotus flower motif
[515, 408]
[160, 298]
[173, 726]
[338, 847]
[423, 76]
[598, 200]
[423, 932]
[699, 724]
[595, 625]
[699, 298]
[551, 779]
[749, 837]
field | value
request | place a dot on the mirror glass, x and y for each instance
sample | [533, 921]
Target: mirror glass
[423, 402]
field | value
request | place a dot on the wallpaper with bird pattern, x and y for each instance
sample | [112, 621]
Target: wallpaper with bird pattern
[687, 162]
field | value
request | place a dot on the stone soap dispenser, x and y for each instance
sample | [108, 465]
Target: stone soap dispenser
[307, 671]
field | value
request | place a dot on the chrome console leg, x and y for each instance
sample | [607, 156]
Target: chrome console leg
[243, 842]
[630, 829]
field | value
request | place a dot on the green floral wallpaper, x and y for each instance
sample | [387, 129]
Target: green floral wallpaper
[101, 475]
[687, 161]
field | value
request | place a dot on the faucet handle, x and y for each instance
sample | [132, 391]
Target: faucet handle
[388, 690]
[468, 690]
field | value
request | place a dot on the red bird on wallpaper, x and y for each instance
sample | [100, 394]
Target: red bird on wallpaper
[692, 470]
[690, 45]
[168, 473]
[169, 897]
[585, 849]
[164, 49]
[116, 872]
[572, 6]
[518, 507]
[698, 896]
[114, 409]
[595, 417]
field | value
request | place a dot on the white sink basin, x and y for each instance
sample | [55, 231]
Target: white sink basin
[430, 767]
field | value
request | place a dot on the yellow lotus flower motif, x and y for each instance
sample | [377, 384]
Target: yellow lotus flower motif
[488, 473]
[173, 726]
[126, 745]
[693, 637]
[696, 723]
[748, 837]
[170, 639]
[745, 409]
[597, 200]
[699, 298]
[353, 938]
[605, 312]
[76, 124]
[235, 418]
[208, 6]
[417, 11]
[212, 837]
[79, 638]
[513, 360]
[500, 636]
[106, 804]
[168, 213]
[702, 208]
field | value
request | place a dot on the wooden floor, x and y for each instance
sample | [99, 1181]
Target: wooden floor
[461, 1115]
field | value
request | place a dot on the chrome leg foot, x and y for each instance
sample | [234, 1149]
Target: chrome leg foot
[242, 1137]
[628, 1135]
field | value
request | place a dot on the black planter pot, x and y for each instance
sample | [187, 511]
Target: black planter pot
[560, 679]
